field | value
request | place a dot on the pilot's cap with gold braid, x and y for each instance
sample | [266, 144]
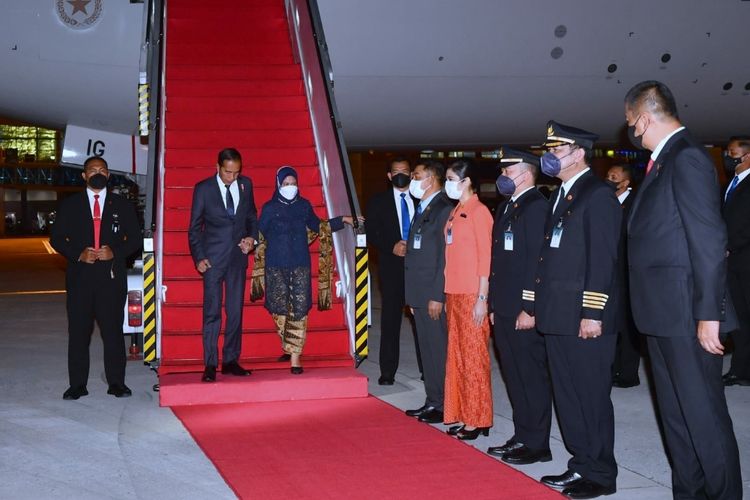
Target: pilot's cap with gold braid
[510, 157]
[559, 134]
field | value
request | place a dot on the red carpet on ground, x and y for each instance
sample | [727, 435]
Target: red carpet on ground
[345, 448]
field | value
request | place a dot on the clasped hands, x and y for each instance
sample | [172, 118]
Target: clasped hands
[91, 254]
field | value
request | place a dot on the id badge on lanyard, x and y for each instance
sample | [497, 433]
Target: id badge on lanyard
[557, 233]
[417, 241]
[508, 245]
[449, 236]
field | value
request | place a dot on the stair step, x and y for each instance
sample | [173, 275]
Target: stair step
[207, 157]
[189, 292]
[190, 139]
[235, 105]
[251, 12]
[263, 386]
[199, 53]
[258, 363]
[256, 120]
[211, 72]
[180, 192]
[234, 88]
[333, 342]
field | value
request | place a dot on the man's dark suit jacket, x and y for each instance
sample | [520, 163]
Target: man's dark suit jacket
[384, 231]
[424, 267]
[212, 234]
[513, 271]
[736, 214]
[677, 243]
[578, 279]
[74, 230]
[623, 297]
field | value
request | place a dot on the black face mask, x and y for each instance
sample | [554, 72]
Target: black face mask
[635, 141]
[97, 181]
[400, 180]
[730, 164]
[612, 184]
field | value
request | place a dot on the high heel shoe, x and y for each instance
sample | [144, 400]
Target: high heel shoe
[297, 370]
[454, 430]
[465, 435]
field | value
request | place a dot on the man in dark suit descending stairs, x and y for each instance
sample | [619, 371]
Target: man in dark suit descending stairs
[223, 230]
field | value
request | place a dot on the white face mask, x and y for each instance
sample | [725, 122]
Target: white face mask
[416, 189]
[288, 192]
[452, 190]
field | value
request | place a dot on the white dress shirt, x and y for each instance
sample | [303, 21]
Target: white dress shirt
[740, 178]
[102, 196]
[234, 191]
[624, 195]
[567, 185]
[660, 146]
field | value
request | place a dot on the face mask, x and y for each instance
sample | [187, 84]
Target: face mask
[636, 141]
[288, 192]
[730, 164]
[97, 181]
[506, 186]
[452, 190]
[551, 164]
[612, 184]
[416, 189]
[400, 180]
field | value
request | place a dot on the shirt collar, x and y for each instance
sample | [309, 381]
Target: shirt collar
[623, 196]
[221, 182]
[660, 146]
[102, 195]
[741, 176]
[569, 183]
[424, 203]
[516, 196]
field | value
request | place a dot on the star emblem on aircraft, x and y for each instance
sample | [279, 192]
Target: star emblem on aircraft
[79, 6]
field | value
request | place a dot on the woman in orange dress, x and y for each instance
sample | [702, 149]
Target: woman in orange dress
[468, 238]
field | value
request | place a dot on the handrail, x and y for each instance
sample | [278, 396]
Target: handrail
[308, 42]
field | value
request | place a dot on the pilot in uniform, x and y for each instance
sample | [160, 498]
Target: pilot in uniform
[518, 234]
[575, 310]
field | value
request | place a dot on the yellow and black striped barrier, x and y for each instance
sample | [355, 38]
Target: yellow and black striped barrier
[143, 112]
[361, 294]
[149, 308]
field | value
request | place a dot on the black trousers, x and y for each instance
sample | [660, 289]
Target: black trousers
[215, 281]
[95, 296]
[392, 313]
[695, 420]
[523, 362]
[433, 342]
[739, 288]
[581, 371]
[628, 353]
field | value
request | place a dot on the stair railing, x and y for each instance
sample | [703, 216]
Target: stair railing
[311, 51]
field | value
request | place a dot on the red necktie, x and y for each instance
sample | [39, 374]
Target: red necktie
[650, 164]
[97, 221]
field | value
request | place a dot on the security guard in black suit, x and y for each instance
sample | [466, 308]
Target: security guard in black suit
[96, 231]
[518, 233]
[575, 310]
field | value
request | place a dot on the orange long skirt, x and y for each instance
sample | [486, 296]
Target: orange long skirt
[468, 385]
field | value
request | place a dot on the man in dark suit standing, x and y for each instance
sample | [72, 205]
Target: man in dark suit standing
[736, 212]
[575, 310]
[518, 234]
[627, 356]
[223, 230]
[389, 216]
[424, 278]
[96, 231]
[677, 246]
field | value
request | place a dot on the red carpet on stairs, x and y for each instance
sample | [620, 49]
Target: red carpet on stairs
[231, 81]
[357, 448]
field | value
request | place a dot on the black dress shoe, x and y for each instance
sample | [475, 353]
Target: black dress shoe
[586, 488]
[624, 383]
[730, 380]
[499, 451]
[297, 370]
[454, 430]
[385, 381]
[119, 391]
[432, 416]
[234, 368]
[524, 455]
[284, 357]
[569, 478]
[209, 374]
[75, 392]
[418, 411]
[465, 435]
